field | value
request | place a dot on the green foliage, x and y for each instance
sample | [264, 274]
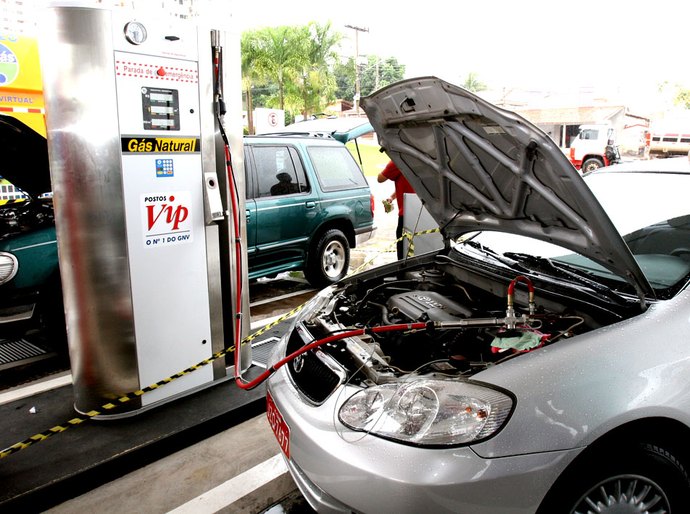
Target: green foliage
[314, 85]
[345, 79]
[298, 69]
[379, 73]
[679, 94]
[473, 84]
[682, 98]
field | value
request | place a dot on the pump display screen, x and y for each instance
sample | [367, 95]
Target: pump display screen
[161, 108]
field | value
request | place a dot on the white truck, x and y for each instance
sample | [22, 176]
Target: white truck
[594, 147]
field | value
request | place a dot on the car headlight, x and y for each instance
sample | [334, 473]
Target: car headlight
[8, 267]
[428, 412]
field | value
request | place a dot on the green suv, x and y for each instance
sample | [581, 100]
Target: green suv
[308, 203]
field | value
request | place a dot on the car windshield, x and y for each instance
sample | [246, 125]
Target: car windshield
[650, 211]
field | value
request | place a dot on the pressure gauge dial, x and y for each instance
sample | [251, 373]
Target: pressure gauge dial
[135, 32]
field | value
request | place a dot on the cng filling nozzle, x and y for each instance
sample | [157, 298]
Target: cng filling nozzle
[511, 319]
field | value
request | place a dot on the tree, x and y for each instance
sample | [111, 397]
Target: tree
[380, 72]
[473, 84]
[344, 73]
[315, 84]
[682, 97]
[279, 57]
[676, 93]
[251, 58]
[297, 69]
[375, 74]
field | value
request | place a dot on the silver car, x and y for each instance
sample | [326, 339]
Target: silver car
[540, 362]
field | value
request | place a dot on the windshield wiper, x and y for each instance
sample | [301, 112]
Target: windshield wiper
[509, 262]
[572, 273]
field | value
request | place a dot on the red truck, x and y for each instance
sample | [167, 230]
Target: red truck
[594, 147]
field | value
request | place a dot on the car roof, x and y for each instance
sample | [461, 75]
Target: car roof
[292, 137]
[342, 129]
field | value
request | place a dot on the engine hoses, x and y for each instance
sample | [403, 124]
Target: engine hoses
[511, 294]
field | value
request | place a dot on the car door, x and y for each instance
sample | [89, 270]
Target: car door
[287, 207]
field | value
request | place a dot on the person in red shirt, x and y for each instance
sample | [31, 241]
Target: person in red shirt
[402, 186]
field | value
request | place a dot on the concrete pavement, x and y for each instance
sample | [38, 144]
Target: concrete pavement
[236, 471]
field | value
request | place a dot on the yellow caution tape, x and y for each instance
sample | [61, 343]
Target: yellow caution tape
[123, 399]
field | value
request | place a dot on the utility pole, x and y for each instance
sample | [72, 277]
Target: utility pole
[357, 83]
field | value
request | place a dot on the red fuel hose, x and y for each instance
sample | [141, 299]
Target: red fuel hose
[241, 383]
[335, 337]
[511, 291]
[520, 278]
[234, 202]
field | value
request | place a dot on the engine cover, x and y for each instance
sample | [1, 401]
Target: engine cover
[426, 306]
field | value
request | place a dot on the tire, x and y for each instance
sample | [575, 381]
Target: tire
[591, 164]
[328, 259]
[638, 479]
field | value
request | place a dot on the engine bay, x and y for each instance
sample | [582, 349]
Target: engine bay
[472, 321]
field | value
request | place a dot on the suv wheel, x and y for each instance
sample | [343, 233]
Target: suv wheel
[329, 260]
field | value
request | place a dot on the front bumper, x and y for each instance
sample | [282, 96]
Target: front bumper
[341, 471]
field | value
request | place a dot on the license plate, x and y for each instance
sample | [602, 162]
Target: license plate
[278, 425]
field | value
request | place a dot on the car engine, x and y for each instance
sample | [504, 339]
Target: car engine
[473, 322]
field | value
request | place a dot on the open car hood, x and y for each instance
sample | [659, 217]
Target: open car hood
[478, 167]
[24, 156]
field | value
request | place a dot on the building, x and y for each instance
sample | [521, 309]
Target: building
[562, 124]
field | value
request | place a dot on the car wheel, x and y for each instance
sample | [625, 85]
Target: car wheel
[642, 478]
[591, 164]
[329, 259]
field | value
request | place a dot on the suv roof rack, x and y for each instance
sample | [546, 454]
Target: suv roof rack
[296, 133]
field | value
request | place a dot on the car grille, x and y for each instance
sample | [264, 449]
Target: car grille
[312, 373]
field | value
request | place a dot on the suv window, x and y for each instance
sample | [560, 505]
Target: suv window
[336, 168]
[280, 171]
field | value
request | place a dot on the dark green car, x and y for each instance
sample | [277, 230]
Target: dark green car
[30, 292]
[308, 203]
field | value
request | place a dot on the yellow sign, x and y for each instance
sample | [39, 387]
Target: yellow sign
[21, 88]
[160, 145]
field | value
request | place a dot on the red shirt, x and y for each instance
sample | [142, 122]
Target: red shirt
[402, 186]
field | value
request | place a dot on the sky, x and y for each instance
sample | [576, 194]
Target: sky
[619, 48]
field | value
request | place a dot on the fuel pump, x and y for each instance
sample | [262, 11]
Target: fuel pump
[140, 190]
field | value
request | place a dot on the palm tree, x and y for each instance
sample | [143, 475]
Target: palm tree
[473, 84]
[280, 57]
[316, 85]
[251, 64]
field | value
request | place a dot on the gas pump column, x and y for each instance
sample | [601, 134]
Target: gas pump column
[142, 232]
